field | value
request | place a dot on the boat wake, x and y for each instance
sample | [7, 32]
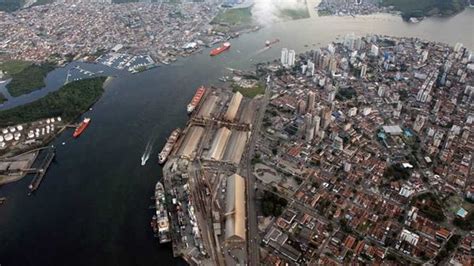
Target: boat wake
[148, 149]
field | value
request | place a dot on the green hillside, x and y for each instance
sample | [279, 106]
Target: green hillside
[420, 8]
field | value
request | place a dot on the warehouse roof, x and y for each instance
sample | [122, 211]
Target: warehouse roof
[236, 146]
[233, 107]
[208, 106]
[235, 208]
[219, 143]
[191, 141]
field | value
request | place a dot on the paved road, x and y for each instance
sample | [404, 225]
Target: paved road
[252, 225]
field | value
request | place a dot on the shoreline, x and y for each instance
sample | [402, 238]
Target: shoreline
[11, 155]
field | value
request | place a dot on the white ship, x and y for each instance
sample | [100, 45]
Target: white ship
[160, 222]
[168, 146]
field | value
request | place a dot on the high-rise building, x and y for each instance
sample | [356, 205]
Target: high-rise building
[352, 111]
[349, 41]
[309, 129]
[310, 70]
[374, 50]
[381, 91]
[326, 119]
[316, 122]
[347, 167]
[424, 56]
[338, 143]
[331, 49]
[324, 62]
[332, 64]
[331, 96]
[301, 107]
[358, 43]
[288, 57]
[284, 56]
[458, 47]
[311, 101]
[419, 123]
[437, 106]
[304, 68]
[309, 136]
[316, 57]
[363, 71]
[291, 58]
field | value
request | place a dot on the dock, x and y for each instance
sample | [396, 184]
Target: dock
[41, 170]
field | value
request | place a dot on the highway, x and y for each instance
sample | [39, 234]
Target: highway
[252, 224]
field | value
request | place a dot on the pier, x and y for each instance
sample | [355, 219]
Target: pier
[41, 170]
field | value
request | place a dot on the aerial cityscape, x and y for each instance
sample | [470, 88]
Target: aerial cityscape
[237, 132]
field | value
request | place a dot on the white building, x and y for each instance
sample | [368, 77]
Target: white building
[291, 58]
[374, 50]
[310, 70]
[284, 56]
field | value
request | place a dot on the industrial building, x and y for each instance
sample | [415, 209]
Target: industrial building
[191, 142]
[219, 143]
[208, 107]
[248, 110]
[235, 210]
[236, 146]
[233, 107]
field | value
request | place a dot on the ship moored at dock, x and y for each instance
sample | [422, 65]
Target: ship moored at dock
[160, 222]
[196, 99]
[168, 146]
[84, 124]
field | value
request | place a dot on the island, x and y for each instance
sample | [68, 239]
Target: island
[26, 130]
[407, 8]
[33, 125]
[25, 76]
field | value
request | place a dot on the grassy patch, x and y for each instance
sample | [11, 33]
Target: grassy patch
[430, 206]
[272, 204]
[344, 94]
[2, 98]
[295, 14]
[236, 16]
[28, 79]
[14, 66]
[68, 102]
[249, 92]
[323, 13]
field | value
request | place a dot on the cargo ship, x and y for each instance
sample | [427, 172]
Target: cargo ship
[222, 48]
[196, 99]
[160, 222]
[168, 146]
[81, 127]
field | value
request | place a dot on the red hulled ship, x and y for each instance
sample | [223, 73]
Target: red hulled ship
[81, 127]
[222, 48]
[196, 99]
